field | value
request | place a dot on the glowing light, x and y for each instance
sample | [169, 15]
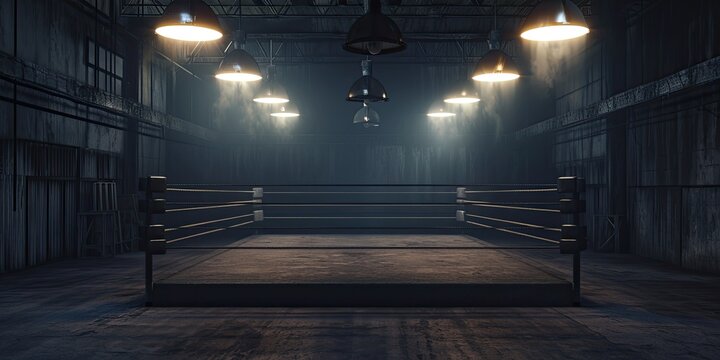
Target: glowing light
[188, 33]
[238, 66]
[284, 114]
[465, 94]
[285, 111]
[554, 20]
[270, 100]
[555, 33]
[462, 100]
[271, 93]
[189, 20]
[495, 77]
[496, 66]
[440, 114]
[237, 77]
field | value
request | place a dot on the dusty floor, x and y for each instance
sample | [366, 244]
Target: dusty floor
[366, 265]
[361, 270]
[92, 308]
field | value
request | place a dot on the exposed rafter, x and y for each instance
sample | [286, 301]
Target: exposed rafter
[345, 8]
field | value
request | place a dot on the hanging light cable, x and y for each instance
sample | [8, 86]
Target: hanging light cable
[496, 65]
[555, 20]
[189, 20]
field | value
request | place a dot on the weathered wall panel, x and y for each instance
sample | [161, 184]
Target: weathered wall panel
[37, 222]
[63, 143]
[643, 162]
[654, 225]
[44, 226]
[13, 229]
[701, 229]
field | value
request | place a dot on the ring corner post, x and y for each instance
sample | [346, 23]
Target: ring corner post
[258, 208]
[145, 185]
[460, 196]
[577, 294]
[574, 236]
[152, 233]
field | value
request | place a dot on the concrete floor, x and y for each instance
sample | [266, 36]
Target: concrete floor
[92, 308]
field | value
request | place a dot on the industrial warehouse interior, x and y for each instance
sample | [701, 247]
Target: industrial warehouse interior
[359, 179]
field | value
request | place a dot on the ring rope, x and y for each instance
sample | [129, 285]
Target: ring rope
[512, 207]
[510, 191]
[554, 203]
[206, 207]
[358, 205]
[295, 228]
[513, 232]
[195, 225]
[364, 228]
[362, 247]
[379, 228]
[213, 203]
[526, 225]
[366, 185]
[209, 232]
[360, 192]
[359, 217]
[209, 190]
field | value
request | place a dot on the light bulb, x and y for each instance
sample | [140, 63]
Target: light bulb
[374, 47]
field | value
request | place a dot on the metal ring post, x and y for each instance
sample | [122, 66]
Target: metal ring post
[575, 243]
[148, 254]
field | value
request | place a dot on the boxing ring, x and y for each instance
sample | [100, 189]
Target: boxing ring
[362, 244]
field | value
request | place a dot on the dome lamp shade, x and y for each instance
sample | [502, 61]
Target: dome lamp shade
[496, 66]
[374, 33]
[286, 110]
[554, 20]
[367, 117]
[271, 93]
[464, 95]
[438, 111]
[189, 20]
[367, 88]
[238, 66]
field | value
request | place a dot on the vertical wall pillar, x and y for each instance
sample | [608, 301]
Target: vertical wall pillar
[614, 52]
[130, 156]
[153, 240]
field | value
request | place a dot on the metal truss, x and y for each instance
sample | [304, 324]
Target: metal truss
[299, 49]
[346, 8]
